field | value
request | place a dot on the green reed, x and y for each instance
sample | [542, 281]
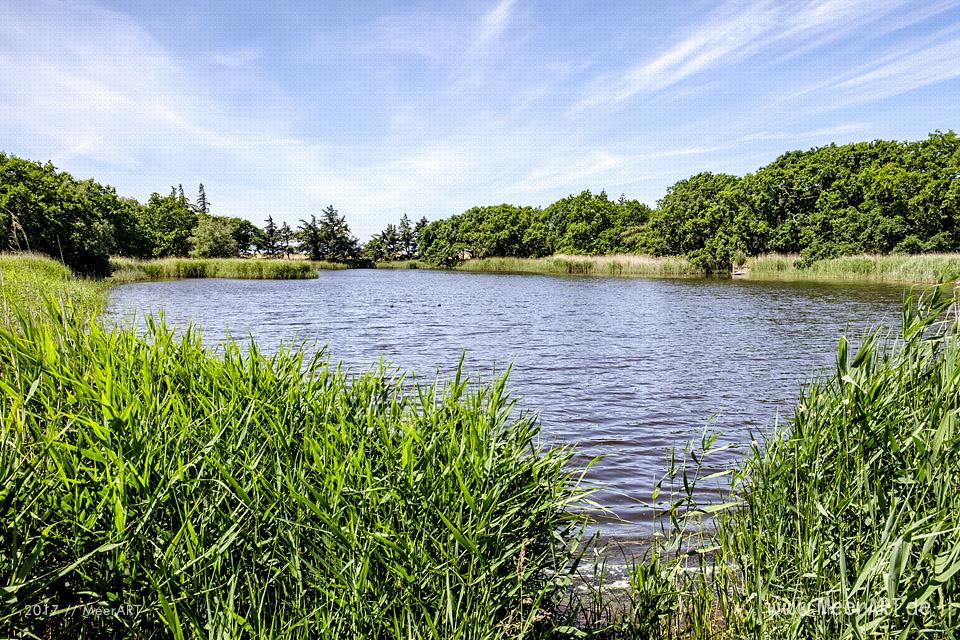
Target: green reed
[130, 270]
[25, 279]
[919, 268]
[614, 265]
[240, 495]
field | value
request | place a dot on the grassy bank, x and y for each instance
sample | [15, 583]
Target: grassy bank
[920, 268]
[404, 264]
[130, 270]
[26, 278]
[240, 495]
[857, 504]
[616, 265]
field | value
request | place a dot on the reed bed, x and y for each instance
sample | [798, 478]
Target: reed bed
[239, 495]
[130, 270]
[403, 264]
[846, 524]
[614, 265]
[919, 268]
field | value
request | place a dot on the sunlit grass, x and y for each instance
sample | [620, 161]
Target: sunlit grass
[919, 268]
[614, 265]
[240, 495]
[131, 270]
[26, 278]
[845, 524]
[403, 264]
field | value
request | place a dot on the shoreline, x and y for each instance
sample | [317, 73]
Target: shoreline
[890, 269]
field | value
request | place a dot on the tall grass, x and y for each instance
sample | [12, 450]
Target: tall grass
[403, 264]
[615, 265]
[244, 495]
[130, 270]
[239, 495]
[857, 506]
[919, 268]
[25, 279]
[844, 525]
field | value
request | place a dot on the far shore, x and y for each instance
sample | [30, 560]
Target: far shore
[893, 268]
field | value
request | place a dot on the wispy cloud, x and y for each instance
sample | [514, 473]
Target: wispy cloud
[436, 109]
[237, 57]
[494, 23]
[913, 65]
[725, 35]
[731, 34]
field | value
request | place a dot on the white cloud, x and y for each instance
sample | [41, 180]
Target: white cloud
[735, 32]
[99, 92]
[914, 65]
[237, 57]
[724, 36]
[494, 22]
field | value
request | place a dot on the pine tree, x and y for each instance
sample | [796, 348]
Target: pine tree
[408, 239]
[391, 242]
[328, 238]
[418, 230]
[203, 205]
[269, 246]
[285, 239]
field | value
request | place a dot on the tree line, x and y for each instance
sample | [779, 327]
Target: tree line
[84, 223]
[867, 197]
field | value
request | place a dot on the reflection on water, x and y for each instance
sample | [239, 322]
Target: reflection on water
[625, 368]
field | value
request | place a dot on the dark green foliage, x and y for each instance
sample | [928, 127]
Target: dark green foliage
[869, 197]
[395, 243]
[328, 239]
[269, 242]
[694, 219]
[82, 222]
[584, 224]
[203, 205]
[245, 234]
[171, 221]
[285, 238]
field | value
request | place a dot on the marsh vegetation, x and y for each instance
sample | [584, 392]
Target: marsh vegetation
[254, 495]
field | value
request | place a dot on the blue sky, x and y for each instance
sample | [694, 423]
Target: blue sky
[430, 108]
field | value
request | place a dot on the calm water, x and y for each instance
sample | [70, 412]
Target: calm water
[625, 368]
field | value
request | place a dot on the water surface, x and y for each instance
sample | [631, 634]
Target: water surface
[625, 368]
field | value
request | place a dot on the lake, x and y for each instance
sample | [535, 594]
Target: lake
[625, 368]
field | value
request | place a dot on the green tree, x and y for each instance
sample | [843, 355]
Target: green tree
[407, 239]
[171, 223]
[214, 237]
[390, 238]
[285, 238]
[270, 239]
[329, 238]
[692, 220]
[245, 234]
[203, 205]
[374, 250]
